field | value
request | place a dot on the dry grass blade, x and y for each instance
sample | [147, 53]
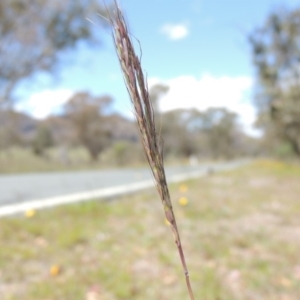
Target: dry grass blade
[138, 91]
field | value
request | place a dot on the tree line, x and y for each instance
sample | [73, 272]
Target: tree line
[86, 121]
[44, 44]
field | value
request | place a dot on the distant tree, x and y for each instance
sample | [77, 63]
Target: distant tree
[212, 133]
[178, 138]
[62, 130]
[276, 56]
[156, 92]
[35, 34]
[9, 137]
[86, 114]
[14, 128]
[125, 153]
[42, 140]
[122, 128]
[220, 130]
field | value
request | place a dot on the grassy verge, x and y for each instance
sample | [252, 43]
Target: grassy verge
[22, 160]
[240, 229]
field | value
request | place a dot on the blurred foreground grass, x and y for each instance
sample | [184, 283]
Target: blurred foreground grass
[240, 231]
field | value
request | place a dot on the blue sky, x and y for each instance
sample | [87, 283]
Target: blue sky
[197, 47]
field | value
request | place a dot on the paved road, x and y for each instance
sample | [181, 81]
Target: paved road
[40, 190]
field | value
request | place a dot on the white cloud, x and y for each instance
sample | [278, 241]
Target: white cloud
[44, 103]
[209, 91]
[175, 31]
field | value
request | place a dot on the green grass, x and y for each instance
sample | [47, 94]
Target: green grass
[240, 231]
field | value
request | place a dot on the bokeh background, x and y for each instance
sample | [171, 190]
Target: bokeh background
[223, 78]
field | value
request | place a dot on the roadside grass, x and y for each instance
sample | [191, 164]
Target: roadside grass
[240, 230]
[22, 160]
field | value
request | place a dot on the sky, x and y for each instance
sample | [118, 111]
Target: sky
[198, 48]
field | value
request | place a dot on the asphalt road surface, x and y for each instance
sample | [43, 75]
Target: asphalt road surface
[25, 188]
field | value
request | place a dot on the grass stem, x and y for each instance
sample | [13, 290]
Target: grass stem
[138, 90]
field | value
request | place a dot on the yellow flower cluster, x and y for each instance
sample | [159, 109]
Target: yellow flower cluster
[183, 201]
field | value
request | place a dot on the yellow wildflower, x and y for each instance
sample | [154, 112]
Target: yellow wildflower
[183, 201]
[55, 270]
[30, 213]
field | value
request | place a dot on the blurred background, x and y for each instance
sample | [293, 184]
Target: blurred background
[223, 78]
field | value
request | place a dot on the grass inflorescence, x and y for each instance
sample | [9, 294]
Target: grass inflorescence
[138, 91]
